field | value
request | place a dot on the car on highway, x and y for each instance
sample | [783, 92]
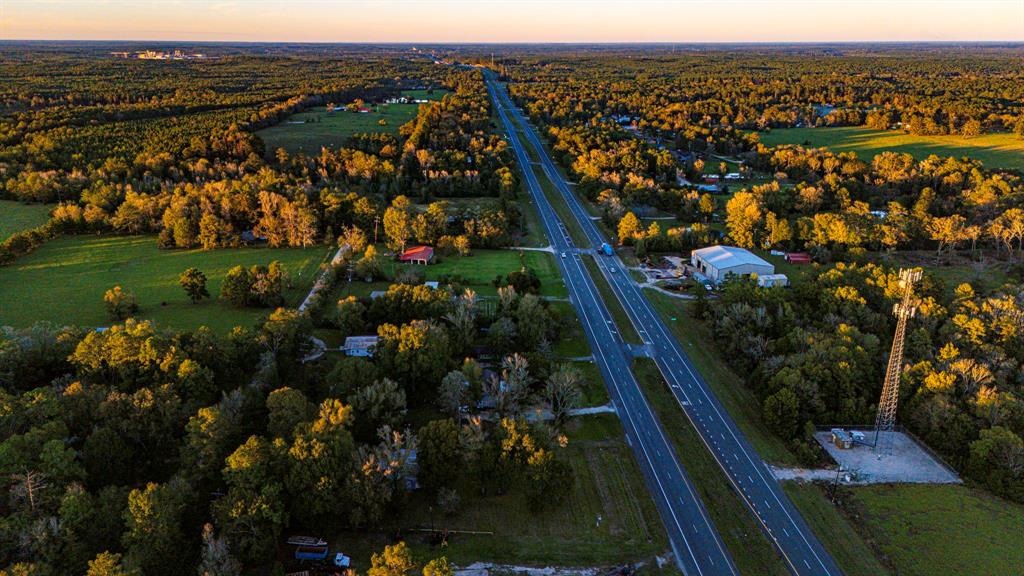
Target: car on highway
[563, 254]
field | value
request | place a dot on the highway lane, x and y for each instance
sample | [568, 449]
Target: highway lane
[697, 546]
[749, 475]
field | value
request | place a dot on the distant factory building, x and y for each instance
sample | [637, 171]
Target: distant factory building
[716, 263]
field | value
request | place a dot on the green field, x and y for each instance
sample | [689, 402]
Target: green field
[609, 517]
[65, 279]
[941, 529]
[836, 533]
[479, 270]
[315, 128]
[476, 271]
[995, 150]
[15, 217]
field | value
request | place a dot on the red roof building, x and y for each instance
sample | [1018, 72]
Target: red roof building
[418, 255]
[798, 258]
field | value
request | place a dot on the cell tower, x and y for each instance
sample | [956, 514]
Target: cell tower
[905, 309]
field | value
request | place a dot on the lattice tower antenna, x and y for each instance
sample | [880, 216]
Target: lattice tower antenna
[905, 309]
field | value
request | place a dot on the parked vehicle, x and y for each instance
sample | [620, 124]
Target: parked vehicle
[311, 553]
[342, 561]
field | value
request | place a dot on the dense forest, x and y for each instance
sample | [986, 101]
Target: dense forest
[136, 449]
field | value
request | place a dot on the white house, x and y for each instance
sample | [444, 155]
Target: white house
[716, 263]
[770, 280]
[360, 345]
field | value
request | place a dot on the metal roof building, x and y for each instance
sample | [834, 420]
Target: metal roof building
[716, 263]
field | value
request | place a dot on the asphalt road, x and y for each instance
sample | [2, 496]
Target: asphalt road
[749, 475]
[697, 546]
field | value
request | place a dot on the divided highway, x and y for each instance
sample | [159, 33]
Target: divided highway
[749, 475]
[697, 546]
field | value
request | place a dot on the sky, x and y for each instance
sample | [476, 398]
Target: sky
[514, 21]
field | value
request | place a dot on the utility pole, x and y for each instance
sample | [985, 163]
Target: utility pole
[905, 309]
[376, 220]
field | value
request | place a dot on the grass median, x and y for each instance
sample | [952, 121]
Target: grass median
[743, 537]
[618, 313]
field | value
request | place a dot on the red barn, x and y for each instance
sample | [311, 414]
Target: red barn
[798, 258]
[418, 255]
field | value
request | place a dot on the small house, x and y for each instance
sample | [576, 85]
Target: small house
[770, 280]
[363, 346]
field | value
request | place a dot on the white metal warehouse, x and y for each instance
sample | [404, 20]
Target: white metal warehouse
[716, 263]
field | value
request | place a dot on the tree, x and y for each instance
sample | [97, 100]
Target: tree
[215, 558]
[395, 560]
[947, 231]
[154, 535]
[397, 223]
[563, 391]
[439, 456]
[351, 319]
[453, 392]
[511, 388]
[997, 461]
[193, 281]
[254, 511]
[630, 228]
[368, 267]
[438, 567]
[285, 334]
[743, 219]
[108, 564]
[236, 287]
[286, 408]
[320, 459]
[381, 403]
[971, 128]
[120, 303]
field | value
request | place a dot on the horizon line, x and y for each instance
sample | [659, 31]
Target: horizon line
[531, 42]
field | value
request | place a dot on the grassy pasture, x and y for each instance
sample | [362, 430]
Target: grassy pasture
[64, 281]
[315, 128]
[941, 529]
[15, 217]
[995, 150]
[479, 270]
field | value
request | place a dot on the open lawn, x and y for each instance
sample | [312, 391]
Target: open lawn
[479, 270]
[64, 281]
[15, 217]
[608, 519]
[315, 128]
[941, 529]
[995, 150]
